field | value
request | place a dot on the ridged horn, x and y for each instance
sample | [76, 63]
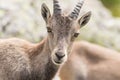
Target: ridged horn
[56, 7]
[76, 11]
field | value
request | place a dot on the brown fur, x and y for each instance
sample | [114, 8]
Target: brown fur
[91, 62]
[21, 60]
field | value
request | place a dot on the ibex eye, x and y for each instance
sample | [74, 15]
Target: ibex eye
[76, 34]
[49, 30]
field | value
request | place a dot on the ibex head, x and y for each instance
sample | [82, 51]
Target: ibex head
[62, 30]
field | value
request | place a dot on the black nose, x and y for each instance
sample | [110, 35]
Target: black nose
[59, 55]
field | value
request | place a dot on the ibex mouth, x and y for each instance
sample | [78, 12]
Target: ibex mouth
[58, 62]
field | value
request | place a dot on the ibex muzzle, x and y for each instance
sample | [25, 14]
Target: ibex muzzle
[62, 30]
[59, 54]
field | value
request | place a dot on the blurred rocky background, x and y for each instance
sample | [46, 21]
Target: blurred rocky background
[22, 18]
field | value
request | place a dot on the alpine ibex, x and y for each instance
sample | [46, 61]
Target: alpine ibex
[22, 60]
[91, 62]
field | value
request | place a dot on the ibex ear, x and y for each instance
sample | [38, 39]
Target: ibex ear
[84, 19]
[45, 12]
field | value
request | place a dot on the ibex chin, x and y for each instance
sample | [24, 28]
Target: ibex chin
[91, 62]
[22, 60]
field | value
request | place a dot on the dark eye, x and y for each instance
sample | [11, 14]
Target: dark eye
[49, 30]
[76, 34]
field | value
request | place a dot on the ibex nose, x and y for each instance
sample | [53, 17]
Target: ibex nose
[59, 55]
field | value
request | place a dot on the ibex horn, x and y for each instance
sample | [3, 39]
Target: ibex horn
[76, 11]
[56, 7]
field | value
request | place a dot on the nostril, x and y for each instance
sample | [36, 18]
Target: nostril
[59, 55]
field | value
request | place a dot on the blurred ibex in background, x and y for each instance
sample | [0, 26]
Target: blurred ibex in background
[22, 60]
[91, 62]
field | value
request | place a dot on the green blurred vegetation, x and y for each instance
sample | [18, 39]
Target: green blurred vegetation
[113, 5]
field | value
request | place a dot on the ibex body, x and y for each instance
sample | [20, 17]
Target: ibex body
[22, 60]
[91, 62]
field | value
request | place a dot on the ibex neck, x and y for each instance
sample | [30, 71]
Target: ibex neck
[42, 65]
[39, 49]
